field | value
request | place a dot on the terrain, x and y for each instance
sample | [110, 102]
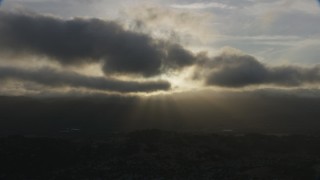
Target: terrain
[156, 154]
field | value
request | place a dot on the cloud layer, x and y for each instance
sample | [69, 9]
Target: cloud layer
[53, 78]
[77, 41]
[121, 51]
[231, 69]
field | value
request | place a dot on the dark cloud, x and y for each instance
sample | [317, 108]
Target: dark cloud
[54, 78]
[239, 70]
[179, 57]
[77, 41]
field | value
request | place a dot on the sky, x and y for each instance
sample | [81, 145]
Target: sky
[149, 47]
[172, 64]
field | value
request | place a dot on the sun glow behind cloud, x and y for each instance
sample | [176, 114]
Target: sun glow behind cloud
[157, 42]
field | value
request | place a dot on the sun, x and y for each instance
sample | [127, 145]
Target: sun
[182, 80]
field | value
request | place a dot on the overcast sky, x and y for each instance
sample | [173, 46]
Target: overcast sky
[137, 46]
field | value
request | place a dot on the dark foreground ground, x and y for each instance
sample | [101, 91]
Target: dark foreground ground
[154, 154]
